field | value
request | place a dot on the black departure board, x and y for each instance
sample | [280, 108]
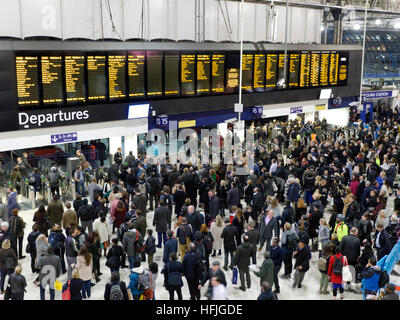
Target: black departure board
[188, 64]
[171, 78]
[75, 78]
[333, 68]
[343, 68]
[52, 84]
[259, 72]
[294, 70]
[154, 73]
[271, 76]
[203, 74]
[324, 69]
[314, 69]
[247, 72]
[281, 65]
[136, 74]
[218, 70]
[96, 73]
[232, 80]
[27, 68]
[116, 76]
[305, 61]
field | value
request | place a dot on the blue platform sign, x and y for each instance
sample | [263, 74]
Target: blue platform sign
[377, 94]
[64, 137]
[296, 110]
[162, 121]
[257, 111]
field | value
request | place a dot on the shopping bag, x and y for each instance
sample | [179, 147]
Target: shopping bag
[66, 295]
[234, 276]
[346, 273]
[58, 285]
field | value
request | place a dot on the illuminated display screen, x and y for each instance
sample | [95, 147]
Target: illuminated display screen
[27, 80]
[116, 76]
[281, 65]
[97, 81]
[259, 72]
[232, 80]
[171, 67]
[343, 68]
[154, 73]
[136, 74]
[294, 66]
[188, 64]
[247, 73]
[271, 77]
[52, 85]
[305, 61]
[218, 70]
[333, 68]
[324, 69]
[203, 73]
[75, 79]
[314, 69]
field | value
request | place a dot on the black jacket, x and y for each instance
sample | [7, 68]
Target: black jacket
[267, 295]
[350, 247]
[117, 251]
[384, 242]
[195, 219]
[210, 273]
[243, 255]
[189, 262]
[85, 212]
[258, 202]
[230, 235]
[213, 207]
[161, 219]
[302, 257]
[171, 245]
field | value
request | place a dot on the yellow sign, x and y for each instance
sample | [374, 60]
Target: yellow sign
[186, 124]
[320, 107]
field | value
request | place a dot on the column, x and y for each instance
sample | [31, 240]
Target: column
[114, 143]
[131, 144]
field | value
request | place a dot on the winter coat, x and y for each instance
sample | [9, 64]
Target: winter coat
[68, 217]
[266, 272]
[41, 247]
[55, 211]
[335, 278]
[102, 228]
[233, 198]
[190, 260]
[141, 225]
[150, 245]
[4, 253]
[323, 235]
[128, 242]
[170, 267]
[243, 255]
[134, 281]
[49, 260]
[302, 257]
[216, 233]
[350, 248]
[276, 255]
[213, 208]
[254, 237]
[266, 230]
[161, 219]
[258, 202]
[171, 245]
[16, 226]
[371, 277]
[293, 193]
[230, 235]
[120, 214]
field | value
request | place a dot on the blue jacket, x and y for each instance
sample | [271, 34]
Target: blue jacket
[189, 263]
[267, 295]
[293, 193]
[134, 280]
[12, 203]
[171, 245]
[276, 255]
[371, 277]
[184, 231]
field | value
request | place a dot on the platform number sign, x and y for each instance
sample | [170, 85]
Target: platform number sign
[257, 111]
[162, 122]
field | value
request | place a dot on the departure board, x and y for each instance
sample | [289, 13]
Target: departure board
[97, 81]
[203, 74]
[343, 68]
[52, 85]
[281, 65]
[75, 78]
[271, 76]
[247, 72]
[218, 70]
[116, 76]
[294, 70]
[259, 72]
[27, 80]
[314, 69]
[171, 78]
[154, 73]
[136, 74]
[324, 69]
[232, 80]
[188, 64]
[305, 61]
[333, 68]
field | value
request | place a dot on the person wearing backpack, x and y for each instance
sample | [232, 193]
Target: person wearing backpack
[194, 218]
[185, 236]
[150, 246]
[8, 262]
[335, 269]
[17, 226]
[302, 264]
[71, 251]
[55, 210]
[323, 236]
[134, 285]
[57, 241]
[114, 255]
[86, 214]
[116, 289]
[371, 277]
[128, 244]
[54, 179]
[323, 265]
[161, 220]
[173, 276]
[193, 270]
[289, 244]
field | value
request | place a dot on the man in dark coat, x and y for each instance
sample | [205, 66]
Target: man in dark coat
[171, 245]
[155, 189]
[194, 218]
[215, 270]
[140, 201]
[266, 292]
[258, 201]
[302, 256]
[118, 156]
[231, 236]
[161, 219]
[268, 224]
[382, 241]
[141, 226]
[254, 238]
[242, 259]
[213, 205]
[192, 269]
[233, 198]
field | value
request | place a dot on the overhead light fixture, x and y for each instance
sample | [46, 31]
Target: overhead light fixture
[356, 26]
[378, 21]
[397, 25]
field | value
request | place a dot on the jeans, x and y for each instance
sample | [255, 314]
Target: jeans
[162, 236]
[87, 224]
[308, 196]
[43, 292]
[277, 268]
[131, 261]
[268, 244]
[70, 261]
[86, 289]
[80, 188]
[193, 289]
[4, 273]
[323, 282]
[60, 253]
[231, 253]
[288, 263]
[242, 273]
[298, 278]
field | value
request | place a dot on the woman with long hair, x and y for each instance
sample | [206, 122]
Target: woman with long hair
[301, 209]
[39, 218]
[216, 230]
[84, 265]
[93, 245]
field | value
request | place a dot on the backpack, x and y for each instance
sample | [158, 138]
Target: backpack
[116, 292]
[144, 281]
[53, 241]
[291, 242]
[46, 223]
[112, 262]
[383, 279]
[53, 179]
[140, 245]
[337, 266]
[208, 242]
[322, 264]
[142, 188]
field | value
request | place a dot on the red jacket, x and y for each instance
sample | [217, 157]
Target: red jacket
[334, 278]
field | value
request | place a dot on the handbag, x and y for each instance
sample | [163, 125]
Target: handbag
[28, 248]
[7, 294]
[66, 295]
[112, 261]
[234, 276]
[346, 273]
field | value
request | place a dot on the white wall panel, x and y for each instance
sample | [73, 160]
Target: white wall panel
[132, 19]
[211, 20]
[185, 19]
[113, 26]
[297, 24]
[228, 29]
[78, 23]
[280, 24]
[313, 25]
[260, 24]
[41, 18]
[162, 19]
[249, 25]
[10, 23]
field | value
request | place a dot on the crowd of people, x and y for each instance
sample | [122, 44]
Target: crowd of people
[311, 193]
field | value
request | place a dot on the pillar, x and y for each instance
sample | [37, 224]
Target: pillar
[114, 144]
[131, 144]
